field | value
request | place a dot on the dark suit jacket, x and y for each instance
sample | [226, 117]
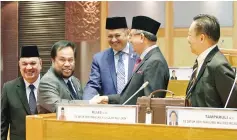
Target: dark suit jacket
[103, 78]
[214, 82]
[154, 69]
[170, 123]
[173, 78]
[14, 108]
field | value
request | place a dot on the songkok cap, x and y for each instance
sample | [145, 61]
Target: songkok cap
[116, 23]
[29, 51]
[146, 24]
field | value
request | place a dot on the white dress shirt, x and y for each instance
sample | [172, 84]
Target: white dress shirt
[125, 60]
[202, 57]
[144, 53]
[36, 84]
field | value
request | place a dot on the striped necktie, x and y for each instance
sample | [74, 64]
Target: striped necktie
[120, 73]
[73, 93]
[193, 80]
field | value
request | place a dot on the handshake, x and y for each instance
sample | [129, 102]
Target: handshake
[99, 99]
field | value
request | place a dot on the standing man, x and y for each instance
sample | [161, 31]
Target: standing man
[112, 68]
[152, 66]
[212, 76]
[19, 95]
[58, 85]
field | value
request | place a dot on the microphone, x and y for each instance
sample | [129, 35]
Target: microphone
[142, 87]
[231, 91]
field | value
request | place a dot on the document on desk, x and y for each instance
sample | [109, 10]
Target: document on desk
[85, 112]
[202, 117]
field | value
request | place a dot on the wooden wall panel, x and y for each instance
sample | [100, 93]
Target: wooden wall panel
[9, 40]
[41, 24]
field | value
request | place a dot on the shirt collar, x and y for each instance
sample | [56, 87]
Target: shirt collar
[66, 79]
[204, 54]
[36, 83]
[146, 51]
[125, 50]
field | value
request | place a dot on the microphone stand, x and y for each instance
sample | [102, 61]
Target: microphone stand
[231, 91]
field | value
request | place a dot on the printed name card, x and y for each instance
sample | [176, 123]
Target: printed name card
[202, 117]
[98, 113]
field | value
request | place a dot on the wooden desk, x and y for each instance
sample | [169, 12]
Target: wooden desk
[44, 127]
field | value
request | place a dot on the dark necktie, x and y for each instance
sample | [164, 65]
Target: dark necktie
[193, 80]
[120, 73]
[73, 93]
[138, 61]
[32, 100]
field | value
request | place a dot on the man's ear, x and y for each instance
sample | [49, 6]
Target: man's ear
[203, 37]
[142, 37]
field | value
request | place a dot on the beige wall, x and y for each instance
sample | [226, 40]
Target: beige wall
[173, 43]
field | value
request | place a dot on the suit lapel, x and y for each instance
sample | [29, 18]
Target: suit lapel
[147, 56]
[200, 73]
[21, 91]
[131, 61]
[110, 60]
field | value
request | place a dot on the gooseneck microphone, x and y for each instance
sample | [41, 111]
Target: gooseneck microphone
[141, 88]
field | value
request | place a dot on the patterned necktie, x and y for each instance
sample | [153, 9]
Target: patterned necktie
[69, 84]
[120, 73]
[193, 80]
[32, 100]
[138, 61]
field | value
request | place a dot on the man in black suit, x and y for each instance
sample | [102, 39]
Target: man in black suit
[19, 95]
[152, 66]
[212, 76]
[173, 77]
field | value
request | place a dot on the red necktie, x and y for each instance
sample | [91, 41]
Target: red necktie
[138, 61]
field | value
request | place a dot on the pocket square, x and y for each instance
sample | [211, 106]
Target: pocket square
[139, 72]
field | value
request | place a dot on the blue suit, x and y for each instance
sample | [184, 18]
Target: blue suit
[103, 78]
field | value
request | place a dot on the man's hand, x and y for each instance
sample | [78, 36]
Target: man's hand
[99, 100]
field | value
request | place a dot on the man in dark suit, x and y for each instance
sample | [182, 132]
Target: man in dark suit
[18, 98]
[106, 65]
[59, 85]
[173, 77]
[212, 76]
[152, 67]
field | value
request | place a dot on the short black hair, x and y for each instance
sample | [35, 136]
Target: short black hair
[172, 113]
[60, 45]
[173, 70]
[208, 25]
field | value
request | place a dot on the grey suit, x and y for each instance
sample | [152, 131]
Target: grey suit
[14, 108]
[53, 90]
[154, 69]
[214, 82]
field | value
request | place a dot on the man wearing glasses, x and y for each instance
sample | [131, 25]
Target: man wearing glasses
[152, 66]
[111, 69]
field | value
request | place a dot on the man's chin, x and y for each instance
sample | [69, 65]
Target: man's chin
[67, 75]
